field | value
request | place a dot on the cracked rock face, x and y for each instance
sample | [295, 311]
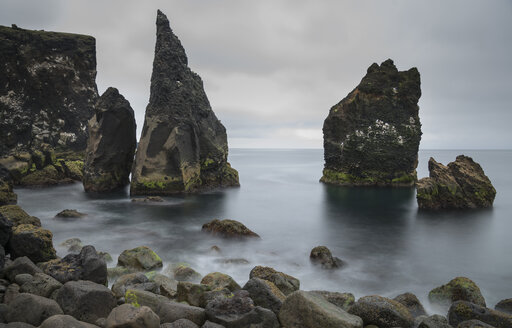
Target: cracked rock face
[183, 147]
[47, 89]
[372, 136]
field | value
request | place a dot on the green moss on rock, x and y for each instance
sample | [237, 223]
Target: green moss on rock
[34, 242]
[458, 289]
[18, 216]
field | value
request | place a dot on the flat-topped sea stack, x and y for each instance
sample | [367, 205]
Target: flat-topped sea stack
[111, 144]
[460, 185]
[372, 136]
[183, 147]
[47, 95]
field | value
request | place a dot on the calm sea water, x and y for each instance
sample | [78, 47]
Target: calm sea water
[390, 246]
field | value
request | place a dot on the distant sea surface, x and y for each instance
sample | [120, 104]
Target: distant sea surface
[389, 246]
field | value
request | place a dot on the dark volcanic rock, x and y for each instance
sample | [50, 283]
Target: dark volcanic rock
[183, 147]
[31, 309]
[372, 136]
[70, 214]
[19, 266]
[321, 255]
[47, 89]
[461, 184]
[111, 144]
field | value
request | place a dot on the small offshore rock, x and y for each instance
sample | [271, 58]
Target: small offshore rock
[85, 300]
[412, 303]
[128, 316]
[217, 280]
[228, 229]
[111, 144]
[462, 184]
[504, 306]
[265, 294]
[457, 289]
[382, 312]
[18, 216]
[34, 242]
[286, 283]
[87, 265]
[322, 255]
[341, 300]
[434, 321]
[70, 214]
[140, 258]
[309, 310]
[461, 311]
[32, 309]
[19, 266]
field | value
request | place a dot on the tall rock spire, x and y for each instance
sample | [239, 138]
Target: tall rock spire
[183, 147]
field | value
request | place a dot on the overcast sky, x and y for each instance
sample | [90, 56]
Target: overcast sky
[273, 69]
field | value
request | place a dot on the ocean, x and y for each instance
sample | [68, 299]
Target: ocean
[390, 247]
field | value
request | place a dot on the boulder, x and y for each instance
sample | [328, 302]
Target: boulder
[286, 283]
[70, 214]
[65, 321]
[371, 137]
[140, 258]
[87, 265]
[457, 289]
[171, 311]
[32, 309]
[181, 323]
[19, 266]
[23, 278]
[183, 147]
[128, 316]
[40, 284]
[382, 312]
[7, 195]
[504, 306]
[228, 229]
[183, 272]
[168, 286]
[265, 294]
[461, 311]
[133, 281]
[116, 272]
[309, 310]
[85, 300]
[321, 255]
[341, 300]
[238, 310]
[18, 216]
[34, 242]
[48, 89]
[412, 303]
[461, 184]
[474, 324]
[137, 297]
[217, 281]
[434, 321]
[111, 144]
[193, 294]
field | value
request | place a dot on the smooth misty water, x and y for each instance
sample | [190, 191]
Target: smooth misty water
[389, 246]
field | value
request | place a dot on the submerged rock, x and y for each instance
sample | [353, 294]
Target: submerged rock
[47, 89]
[458, 289]
[321, 255]
[228, 229]
[372, 136]
[461, 184]
[111, 144]
[70, 214]
[183, 147]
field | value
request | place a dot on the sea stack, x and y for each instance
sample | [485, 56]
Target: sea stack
[183, 147]
[460, 185]
[372, 136]
[111, 144]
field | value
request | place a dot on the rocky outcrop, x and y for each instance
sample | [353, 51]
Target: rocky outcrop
[461, 184]
[47, 89]
[228, 229]
[183, 147]
[111, 144]
[372, 136]
[31, 309]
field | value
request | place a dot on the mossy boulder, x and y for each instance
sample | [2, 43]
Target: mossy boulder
[140, 258]
[462, 184]
[461, 311]
[321, 255]
[33, 242]
[458, 289]
[286, 283]
[217, 280]
[18, 216]
[228, 229]
[382, 312]
[371, 137]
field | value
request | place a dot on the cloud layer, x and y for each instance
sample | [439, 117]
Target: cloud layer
[273, 69]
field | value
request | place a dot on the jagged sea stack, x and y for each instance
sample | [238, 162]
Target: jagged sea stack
[183, 147]
[111, 144]
[372, 136]
[460, 185]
